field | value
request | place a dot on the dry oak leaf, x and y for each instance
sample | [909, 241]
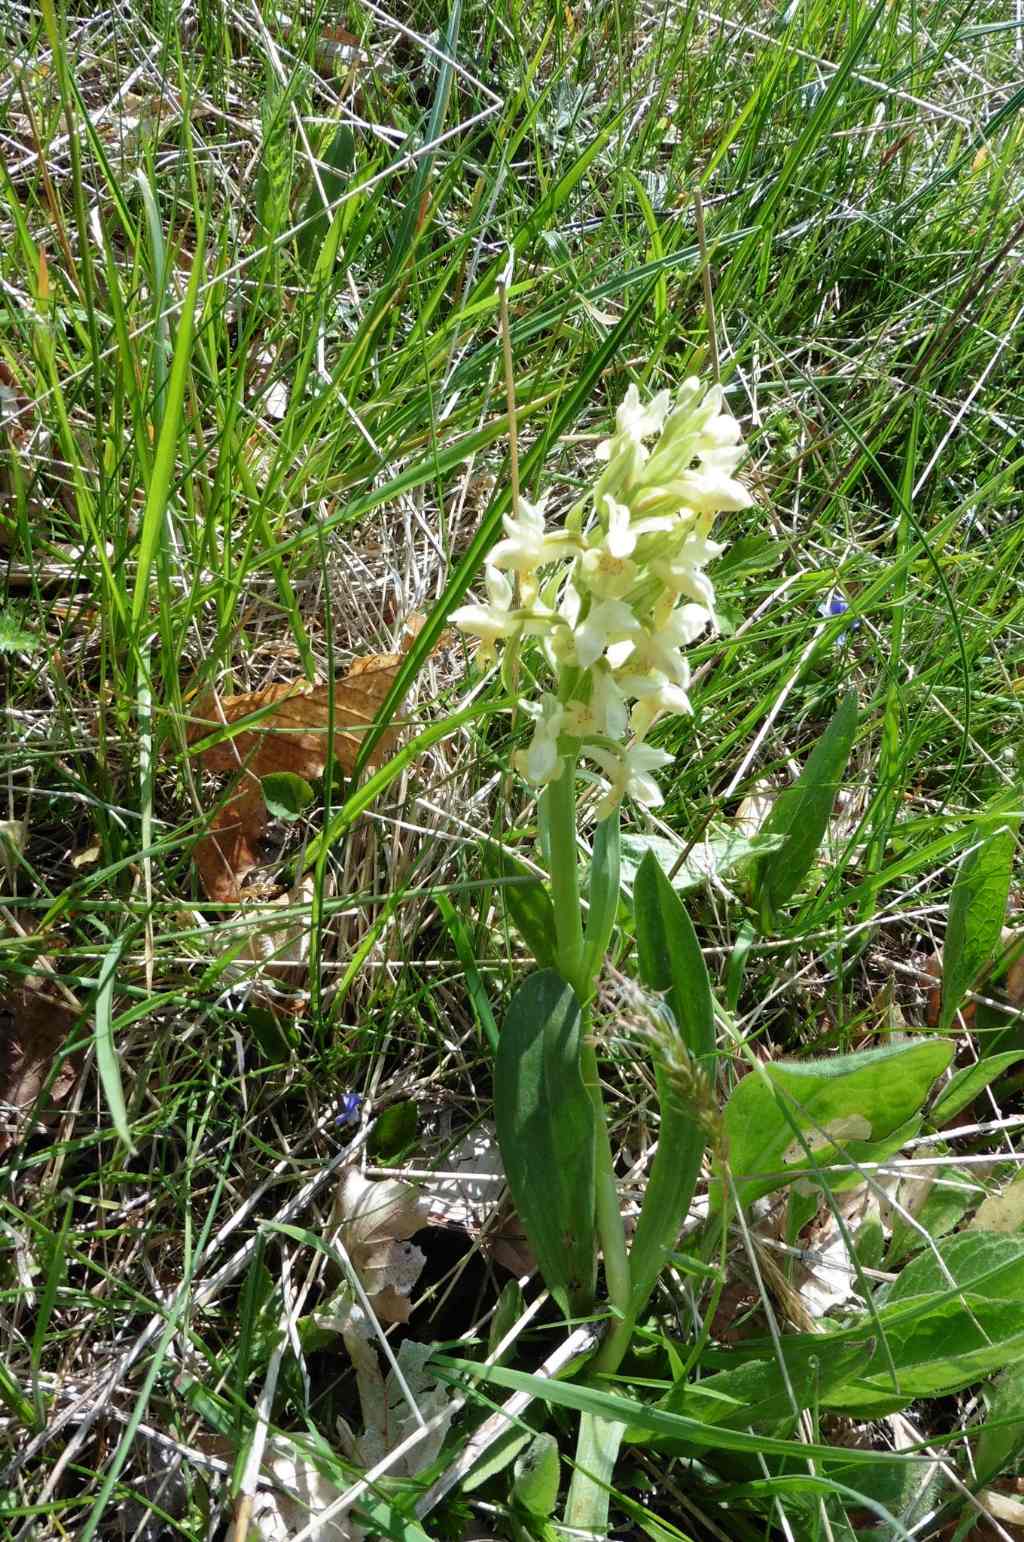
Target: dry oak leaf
[288, 732]
[34, 1024]
[376, 1219]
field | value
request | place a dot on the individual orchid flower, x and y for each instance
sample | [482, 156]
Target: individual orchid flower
[623, 531]
[625, 452]
[605, 575]
[659, 650]
[605, 624]
[540, 762]
[493, 621]
[529, 545]
[635, 421]
[629, 774]
[684, 572]
[656, 695]
[605, 715]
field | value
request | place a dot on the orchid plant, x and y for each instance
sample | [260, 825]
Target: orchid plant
[614, 595]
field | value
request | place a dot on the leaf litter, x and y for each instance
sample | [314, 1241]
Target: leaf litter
[35, 1023]
[288, 733]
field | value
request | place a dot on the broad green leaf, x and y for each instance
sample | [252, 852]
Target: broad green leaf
[717, 854]
[285, 794]
[604, 894]
[546, 1130]
[497, 1457]
[977, 910]
[942, 1337]
[965, 1086]
[535, 1484]
[1001, 1439]
[671, 963]
[670, 959]
[527, 901]
[394, 1131]
[943, 1207]
[846, 1108]
[801, 813]
[754, 1392]
[106, 1052]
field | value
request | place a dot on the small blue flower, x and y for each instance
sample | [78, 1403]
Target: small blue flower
[835, 605]
[351, 1103]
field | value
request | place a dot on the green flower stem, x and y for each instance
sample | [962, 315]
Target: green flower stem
[560, 801]
[607, 1213]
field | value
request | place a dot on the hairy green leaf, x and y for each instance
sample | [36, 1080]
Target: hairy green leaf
[845, 1109]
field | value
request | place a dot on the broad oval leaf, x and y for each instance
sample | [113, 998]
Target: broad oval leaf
[546, 1130]
[761, 1393]
[286, 794]
[537, 1473]
[847, 1108]
[721, 851]
[955, 1314]
[801, 814]
[977, 909]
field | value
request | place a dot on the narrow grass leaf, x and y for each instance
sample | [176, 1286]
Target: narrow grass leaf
[630, 1411]
[107, 1066]
[163, 471]
[475, 988]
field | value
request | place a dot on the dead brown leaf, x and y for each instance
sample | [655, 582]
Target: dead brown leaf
[376, 1220]
[34, 1024]
[288, 732]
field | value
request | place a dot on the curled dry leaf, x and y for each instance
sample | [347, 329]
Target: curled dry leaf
[304, 1499]
[388, 1416]
[281, 728]
[376, 1219]
[34, 1025]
